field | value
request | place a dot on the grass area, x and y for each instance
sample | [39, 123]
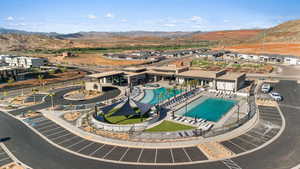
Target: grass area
[132, 119]
[125, 119]
[121, 48]
[207, 63]
[166, 126]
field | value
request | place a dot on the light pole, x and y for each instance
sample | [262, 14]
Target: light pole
[238, 113]
[52, 103]
[34, 91]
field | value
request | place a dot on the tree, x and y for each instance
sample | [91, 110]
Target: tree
[40, 79]
[82, 83]
[10, 81]
[51, 72]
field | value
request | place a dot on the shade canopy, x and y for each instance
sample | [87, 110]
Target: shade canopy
[108, 108]
[130, 107]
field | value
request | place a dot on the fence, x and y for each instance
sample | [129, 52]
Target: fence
[221, 130]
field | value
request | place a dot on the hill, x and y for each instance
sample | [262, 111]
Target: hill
[281, 39]
[18, 40]
[285, 32]
[21, 42]
[231, 35]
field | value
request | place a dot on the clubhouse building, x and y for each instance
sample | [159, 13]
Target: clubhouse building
[132, 76]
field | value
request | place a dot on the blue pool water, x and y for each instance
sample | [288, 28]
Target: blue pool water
[211, 109]
[152, 95]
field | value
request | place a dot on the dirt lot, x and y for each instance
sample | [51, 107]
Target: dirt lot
[69, 75]
[93, 59]
[272, 48]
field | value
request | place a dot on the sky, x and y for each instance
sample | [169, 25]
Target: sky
[70, 16]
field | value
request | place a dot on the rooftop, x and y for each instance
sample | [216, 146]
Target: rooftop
[168, 68]
[105, 74]
[198, 73]
[230, 76]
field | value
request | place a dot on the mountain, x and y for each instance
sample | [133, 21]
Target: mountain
[229, 35]
[18, 40]
[16, 31]
[286, 32]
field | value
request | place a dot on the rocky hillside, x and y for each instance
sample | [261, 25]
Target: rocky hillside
[286, 32]
[19, 42]
[16, 40]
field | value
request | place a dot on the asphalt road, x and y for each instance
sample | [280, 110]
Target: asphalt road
[282, 154]
[59, 100]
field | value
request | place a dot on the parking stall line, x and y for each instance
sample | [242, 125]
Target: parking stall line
[109, 151]
[60, 131]
[187, 154]
[53, 131]
[260, 136]
[155, 155]
[138, 160]
[3, 159]
[69, 139]
[124, 154]
[91, 154]
[41, 129]
[240, 147]
[43, 123]
[171, 151]
[47, 130]
[69, 146]
[231, 164]
[246, 141]
[55, 138]
[44, 127]
[86, 146]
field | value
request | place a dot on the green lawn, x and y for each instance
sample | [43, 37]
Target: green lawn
[125, 120]
[166, 126]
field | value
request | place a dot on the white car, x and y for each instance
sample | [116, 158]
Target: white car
[276, 96]
[266, 88]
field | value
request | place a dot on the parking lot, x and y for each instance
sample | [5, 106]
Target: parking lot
[68, 140]
[268, 126]
[4, 158]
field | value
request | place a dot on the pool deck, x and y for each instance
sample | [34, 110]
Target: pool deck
[226, 119]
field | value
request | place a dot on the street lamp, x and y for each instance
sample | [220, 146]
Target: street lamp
[34, 91]
[238, 113]
[51, 96]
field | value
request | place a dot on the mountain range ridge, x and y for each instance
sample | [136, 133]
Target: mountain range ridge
[19, 40]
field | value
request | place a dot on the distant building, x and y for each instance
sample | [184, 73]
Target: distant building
[25, 62]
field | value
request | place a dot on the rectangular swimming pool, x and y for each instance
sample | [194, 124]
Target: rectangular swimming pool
[152, 96]
[211, 109]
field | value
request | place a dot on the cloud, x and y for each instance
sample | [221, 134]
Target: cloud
[226, 20]
[110, 15]
[10, 18]
[169, 25]
[124, 20]
[196, 19]
[92, 16]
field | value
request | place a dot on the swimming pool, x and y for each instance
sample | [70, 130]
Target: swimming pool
[211, 109]
[152, 95]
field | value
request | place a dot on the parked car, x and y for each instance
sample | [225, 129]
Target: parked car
[276, 96]
[266, 88]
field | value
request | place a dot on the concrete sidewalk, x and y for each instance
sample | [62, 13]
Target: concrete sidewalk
[56, 117]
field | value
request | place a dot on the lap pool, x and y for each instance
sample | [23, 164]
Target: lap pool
[152, 95]
[211, 109]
